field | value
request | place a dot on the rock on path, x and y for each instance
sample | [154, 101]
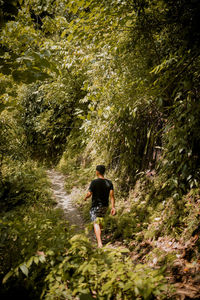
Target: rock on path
[64, 200]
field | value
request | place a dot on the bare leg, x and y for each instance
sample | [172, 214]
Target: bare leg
[97, 230]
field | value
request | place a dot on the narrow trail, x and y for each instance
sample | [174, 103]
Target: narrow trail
[64, 200]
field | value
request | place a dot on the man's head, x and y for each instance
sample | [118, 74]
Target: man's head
[100, 170]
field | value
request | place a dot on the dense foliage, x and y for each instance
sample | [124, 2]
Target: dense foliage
[86, 82]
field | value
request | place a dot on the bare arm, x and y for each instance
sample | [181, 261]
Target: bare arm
[89, 194]
[112, 199]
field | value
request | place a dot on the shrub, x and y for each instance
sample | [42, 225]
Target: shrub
[83, 272]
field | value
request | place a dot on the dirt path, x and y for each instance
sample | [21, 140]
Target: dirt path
[64, 200]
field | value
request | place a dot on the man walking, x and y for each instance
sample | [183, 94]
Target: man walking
[100, 189]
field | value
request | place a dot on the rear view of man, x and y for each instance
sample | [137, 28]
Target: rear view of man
[100, 189]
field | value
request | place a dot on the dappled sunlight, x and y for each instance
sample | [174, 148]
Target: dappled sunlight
[113, 84]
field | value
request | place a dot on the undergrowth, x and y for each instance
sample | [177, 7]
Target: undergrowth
[148, 212]
[81, 271]
[46, 260]
[28, 224]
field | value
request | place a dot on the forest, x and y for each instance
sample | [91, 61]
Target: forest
[86, 83]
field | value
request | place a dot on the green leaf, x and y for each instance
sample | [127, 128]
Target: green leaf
[70, 37]
[128, 286]
[42, 258]
[124, 250]
[36, 260]
[29, 263]
[64, 33]
[91, 108]
[81, 117]
[8, 275]
[80, 3]
[75, 9]
[100, 111]
[24, 269]
[89, 117]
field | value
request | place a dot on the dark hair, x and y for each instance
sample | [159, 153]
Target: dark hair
[101, 169]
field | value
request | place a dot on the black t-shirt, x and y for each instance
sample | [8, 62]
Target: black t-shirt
[100, 189]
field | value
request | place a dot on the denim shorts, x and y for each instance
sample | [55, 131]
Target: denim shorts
[98, 212]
